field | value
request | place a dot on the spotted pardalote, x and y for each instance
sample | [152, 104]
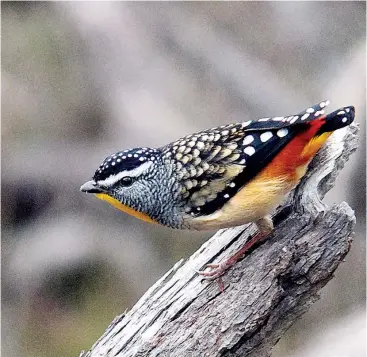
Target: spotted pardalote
[221, 177]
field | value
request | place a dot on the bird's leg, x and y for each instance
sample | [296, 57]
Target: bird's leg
[265, 226]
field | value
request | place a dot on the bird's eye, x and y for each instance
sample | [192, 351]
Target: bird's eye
[126, 181]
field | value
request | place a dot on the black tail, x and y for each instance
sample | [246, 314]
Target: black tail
[338, 119]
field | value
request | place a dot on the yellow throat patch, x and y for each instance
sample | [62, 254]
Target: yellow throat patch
[117, 204]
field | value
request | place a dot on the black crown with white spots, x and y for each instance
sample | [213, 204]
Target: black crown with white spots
[124, 160]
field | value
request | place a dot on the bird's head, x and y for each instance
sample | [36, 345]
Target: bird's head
[139, 182]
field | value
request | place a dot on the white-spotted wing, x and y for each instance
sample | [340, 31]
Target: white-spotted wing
[213, 165]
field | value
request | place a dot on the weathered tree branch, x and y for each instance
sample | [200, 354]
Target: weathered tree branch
[264, 293]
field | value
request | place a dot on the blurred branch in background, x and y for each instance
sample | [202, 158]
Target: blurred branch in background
[81, 80]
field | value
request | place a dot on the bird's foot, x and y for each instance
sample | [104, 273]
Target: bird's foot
[265, 226]
[216, 270]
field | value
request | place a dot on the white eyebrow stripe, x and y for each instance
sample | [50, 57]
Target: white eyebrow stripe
[112, 179]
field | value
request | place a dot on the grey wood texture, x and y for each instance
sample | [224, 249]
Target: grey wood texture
[264, 293]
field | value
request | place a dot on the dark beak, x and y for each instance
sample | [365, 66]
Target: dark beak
[91, 187]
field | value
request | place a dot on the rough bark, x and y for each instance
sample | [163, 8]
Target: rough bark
[264, 293]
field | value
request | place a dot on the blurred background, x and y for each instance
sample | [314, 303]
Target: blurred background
[81, 80]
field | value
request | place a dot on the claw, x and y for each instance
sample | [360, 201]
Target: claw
[216, 272]
[213, 266]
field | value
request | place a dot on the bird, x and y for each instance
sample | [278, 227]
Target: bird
[223, 177]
